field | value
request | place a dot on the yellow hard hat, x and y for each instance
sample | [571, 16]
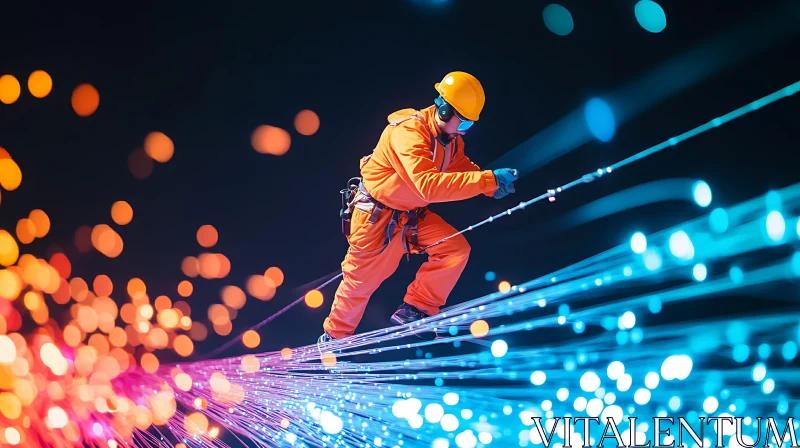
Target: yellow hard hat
[464, 92]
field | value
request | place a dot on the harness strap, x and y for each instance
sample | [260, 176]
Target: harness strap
[412, 223]
[377, 206]
[390, 229]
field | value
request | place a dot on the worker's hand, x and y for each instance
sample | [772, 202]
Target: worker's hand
[502, 192]
[505, 178]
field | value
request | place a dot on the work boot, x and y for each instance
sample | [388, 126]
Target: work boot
[406, 314]
[324, 339]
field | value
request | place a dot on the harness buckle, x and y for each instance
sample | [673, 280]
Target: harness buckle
[356, 192]
[348, 201]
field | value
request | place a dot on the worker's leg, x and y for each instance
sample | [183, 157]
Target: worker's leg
[364, 267]
[437, 276]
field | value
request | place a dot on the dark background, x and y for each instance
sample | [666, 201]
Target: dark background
[208, 74]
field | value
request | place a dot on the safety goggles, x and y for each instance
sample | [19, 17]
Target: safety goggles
[465, 124]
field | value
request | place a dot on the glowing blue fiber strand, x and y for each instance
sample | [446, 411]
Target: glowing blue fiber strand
[551, 194]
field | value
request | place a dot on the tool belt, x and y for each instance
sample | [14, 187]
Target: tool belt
[356, 194]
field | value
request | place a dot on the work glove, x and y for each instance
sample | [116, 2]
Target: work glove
[505, 178]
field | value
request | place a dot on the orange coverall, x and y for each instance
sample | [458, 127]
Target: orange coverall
[407, 171]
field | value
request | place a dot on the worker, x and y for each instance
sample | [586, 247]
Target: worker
[419, 160]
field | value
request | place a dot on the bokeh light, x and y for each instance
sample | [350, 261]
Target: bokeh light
[589, 381]
[504, 287]
[652, 260]
[314, 299]
[276, 274]
[168, 318]
[538, 378]
[12, 436]
[40, 84]
[251, 339]
[136, 288]
[224, 266]
[106, 241]
[615, 370]
[710, 405]
[83, 239]
[56, 417]
[209, 265]
[233, 297]
[198, 332]
[149, 363]
[117, 337]
[328, 359]
[306, 122]
[183, 381]
[9, 89]
[650, 16]
[218, 314]
[795, 266]
[140, 164]
[85, 100]
[190, 267]
[207, 235]
[680, 245]
[183, 345]
[185, 288]
[26, 231]
[121, 213]
[775, 226]
[699, 272]
[196, 424]
[41, 222]
[271, 140]
[10, 405]
[9, 250]
[10, 173]
[638, 243]
[718, 220]
[789, 350]
[773, 200]
[701, 193]
[10, 284]
[250, 364]
[260, 287]
[499, 348]
[626, 321]
[8, 351]
[558, 19]
[479, 328]
[159, 147]
[741, 352]
[600, 119]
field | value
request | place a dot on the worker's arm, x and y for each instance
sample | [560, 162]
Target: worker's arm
[460, 162]
[410, 156]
